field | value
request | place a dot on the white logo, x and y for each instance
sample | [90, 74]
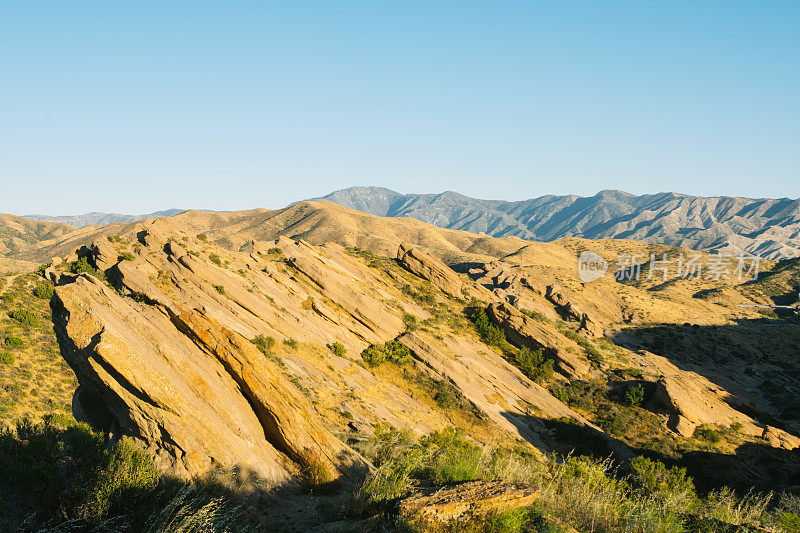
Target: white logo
[591, 266]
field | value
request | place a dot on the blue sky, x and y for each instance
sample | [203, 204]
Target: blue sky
[138, 106]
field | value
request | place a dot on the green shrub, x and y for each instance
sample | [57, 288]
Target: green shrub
[26, 317]
[220, 289]
[398, 353]
[454, 458]
[7, 297]
[125, 256]
[491, 334]
[511, 521]
[128, 473]
[82, 266]
[43, 290]
[264, 344]
[708, 434]
[338, 349]
[13, 341]
[534, 364]
[670, 486]
[789, 522]
[634, 396]
[70, 474]
[445, 397]
[410, 321]
[6, 358]
[203, 237]
[393, 351]
[374, 355]
[536, 315]
[291, 343]
[214, 258]
[274, 251]
[424, 297]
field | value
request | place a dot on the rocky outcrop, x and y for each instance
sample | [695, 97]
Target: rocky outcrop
[430, 268]
[572, 311]
[497, 388]
[522, 330]
[465, 502]
[689, 400]
[192, 392]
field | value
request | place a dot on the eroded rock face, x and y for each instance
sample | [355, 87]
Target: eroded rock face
[430, 268]
[192, 392]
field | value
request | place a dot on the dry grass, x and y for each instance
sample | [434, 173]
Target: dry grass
[39, 382]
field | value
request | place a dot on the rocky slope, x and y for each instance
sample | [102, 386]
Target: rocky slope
[212, 347]
[769, 227]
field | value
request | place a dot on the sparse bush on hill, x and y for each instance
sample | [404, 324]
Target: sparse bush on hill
[13, 341]
[670, 486]
[393, 351]
[26, 317]
[491, 334]
[534, 364]
[423, 297]
[264, 344]
[82, 266]
[220, 289]
[214, 258]
[6, 358]
[291, 343]
[580, 492]
[126, 256]
[43, 290]
[536, 315]
[203, 237]
[71, 474]
[634, 396]
[410, 321]
[338, 348]
[708, 434]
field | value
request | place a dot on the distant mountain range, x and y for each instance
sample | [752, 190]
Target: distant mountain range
[97, 219]
[733, 225]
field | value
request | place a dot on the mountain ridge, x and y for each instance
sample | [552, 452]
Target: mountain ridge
[769, 227]
[96, 218]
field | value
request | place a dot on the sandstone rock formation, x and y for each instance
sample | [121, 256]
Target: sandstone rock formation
[430, 268]
[522, 330]
[497, 388]
[194, 393]
[464, 502]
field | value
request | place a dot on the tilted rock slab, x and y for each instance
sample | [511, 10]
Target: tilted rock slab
[521, 330]
[499, 389]
[193, 393]
[430, 268]
[690, 400]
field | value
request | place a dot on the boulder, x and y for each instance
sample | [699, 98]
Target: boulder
[430, 268]
[474, 500]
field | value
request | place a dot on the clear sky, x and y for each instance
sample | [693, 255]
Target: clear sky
[138, 106]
